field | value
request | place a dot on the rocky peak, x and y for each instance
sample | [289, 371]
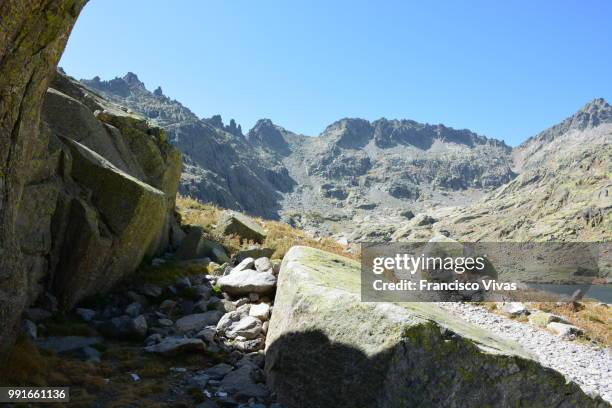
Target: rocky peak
[591, 115]
[158, 91]
[265, 133]
[349, 133]
[132, 79]
[232, 128]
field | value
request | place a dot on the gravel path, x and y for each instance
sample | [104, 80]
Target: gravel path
[587, 365]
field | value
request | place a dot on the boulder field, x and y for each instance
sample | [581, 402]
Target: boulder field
[326, 348]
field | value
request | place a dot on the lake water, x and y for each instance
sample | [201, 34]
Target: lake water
[601, 293]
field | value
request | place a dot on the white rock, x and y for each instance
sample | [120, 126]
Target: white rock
[260, 311]
[514, 309]
[247, 263]
[263, 264]
[564, 330]
[247, 281]
[249, 328]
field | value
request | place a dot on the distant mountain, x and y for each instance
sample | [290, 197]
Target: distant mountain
[358, 175]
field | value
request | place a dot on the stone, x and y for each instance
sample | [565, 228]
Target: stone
[139, 326]
[541, 319]
[195, 245]
[208, 334]
[167, 306]
[203, 291]
[240, 383]
[165, 322]
[395, 354]
[150, 290]
[276, 265]
[198, 321]
[247, 327]
[247, 281]
[263, 264]
[260, 311]
[564, 330]
[183, 283]
[133, 309]
[249, 346]
[253, 297]
[234, 223]
[29, 328]
[514, 309]
[63, 344]
[241, 302]
[199, 381]
[246, 263]
[407, 214]
[172, 346]
[153, 339]
[422, 219]
[124, 327]
[218, 371]
[86, 314]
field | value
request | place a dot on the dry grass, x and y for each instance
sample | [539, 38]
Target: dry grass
[280, 236]
[595, 320]
[103, 384]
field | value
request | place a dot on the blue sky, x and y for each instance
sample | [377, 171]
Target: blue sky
[502, 69]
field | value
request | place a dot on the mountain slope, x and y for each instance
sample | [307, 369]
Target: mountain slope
[564, 191]
[352, 168]
[219, 166]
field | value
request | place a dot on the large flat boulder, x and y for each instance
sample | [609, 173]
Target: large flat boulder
[325, 348]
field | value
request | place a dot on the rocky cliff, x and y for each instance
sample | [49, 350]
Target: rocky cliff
[33, 35]
[98, 196]
[218, 160]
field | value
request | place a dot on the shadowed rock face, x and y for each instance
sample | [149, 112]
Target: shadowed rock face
[33, 35]
[325, 348]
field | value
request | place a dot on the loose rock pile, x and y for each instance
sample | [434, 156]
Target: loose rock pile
[225, 314]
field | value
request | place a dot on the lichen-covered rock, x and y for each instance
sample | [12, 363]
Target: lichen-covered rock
[33, 35]
[354, 354]
[100, 251]
[98, 201]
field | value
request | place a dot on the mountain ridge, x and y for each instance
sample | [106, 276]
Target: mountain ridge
[354, 168]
